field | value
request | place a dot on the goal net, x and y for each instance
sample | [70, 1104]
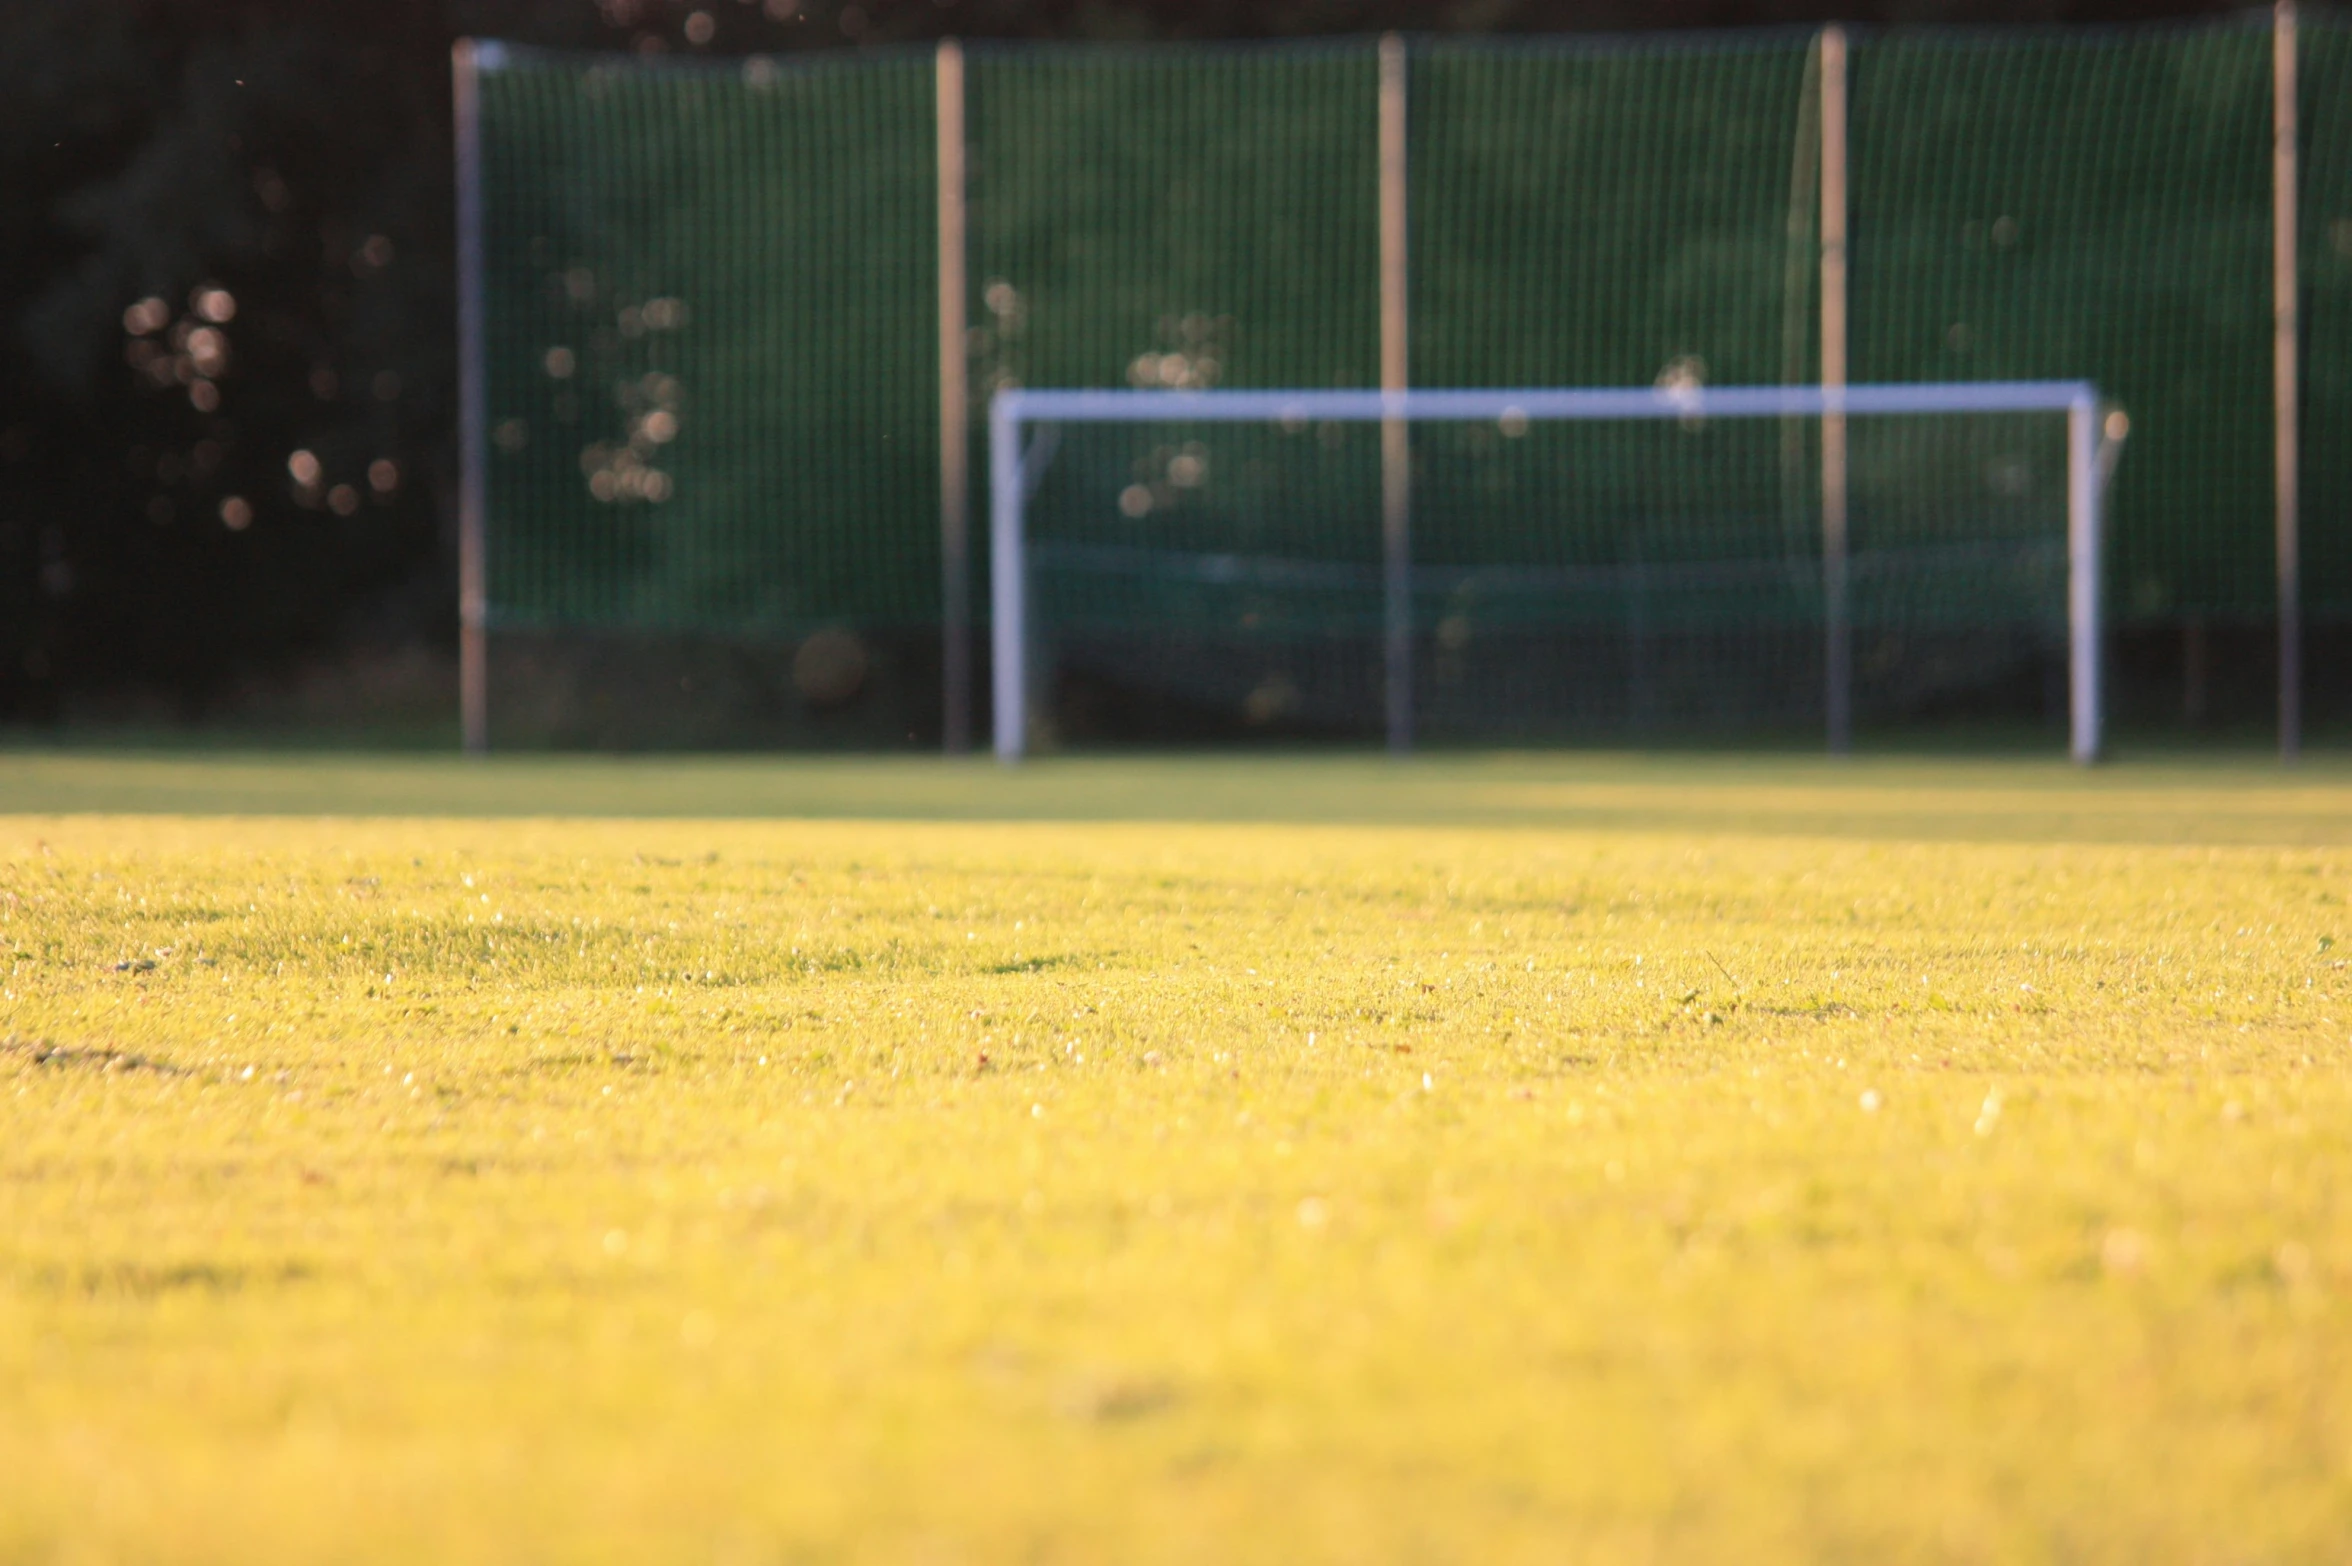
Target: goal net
[1545, 564]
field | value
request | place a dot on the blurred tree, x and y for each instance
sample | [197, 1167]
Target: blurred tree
[225, 370]
[234, 222]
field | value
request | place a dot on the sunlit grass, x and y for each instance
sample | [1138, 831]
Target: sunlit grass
[1794, 1169]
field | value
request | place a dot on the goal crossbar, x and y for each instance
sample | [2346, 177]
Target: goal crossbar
[1014, 473]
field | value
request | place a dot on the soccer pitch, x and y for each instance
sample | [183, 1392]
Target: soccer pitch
[1485, 1159]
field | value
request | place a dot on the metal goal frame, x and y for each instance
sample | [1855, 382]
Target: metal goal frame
[2092, 443]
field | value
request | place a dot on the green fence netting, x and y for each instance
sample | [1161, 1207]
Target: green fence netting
[1615, 213]
[1175, 218]
[1582, 214]
[712, 345]
[2326, 273]
[714, 336]
[1178, 220]
[2095, 206]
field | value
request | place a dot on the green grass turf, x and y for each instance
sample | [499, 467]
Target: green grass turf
[1481, 1159]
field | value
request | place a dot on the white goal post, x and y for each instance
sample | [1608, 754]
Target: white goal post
[1014, 471]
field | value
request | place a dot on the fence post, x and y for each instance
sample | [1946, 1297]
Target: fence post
[1396, 448]
[1837, 632]
[955, 420]
[473, 413]
[2286, 338]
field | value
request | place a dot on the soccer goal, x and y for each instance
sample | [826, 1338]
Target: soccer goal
[1549, 563]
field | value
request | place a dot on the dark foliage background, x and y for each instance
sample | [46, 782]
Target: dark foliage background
[228, 244]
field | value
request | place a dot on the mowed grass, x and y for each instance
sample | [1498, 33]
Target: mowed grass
[1486, 1160]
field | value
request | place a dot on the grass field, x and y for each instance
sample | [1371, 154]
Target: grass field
[1479, 1160]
